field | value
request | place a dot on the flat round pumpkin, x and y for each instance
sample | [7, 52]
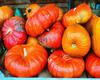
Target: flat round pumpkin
[62, 65]
[26, 60]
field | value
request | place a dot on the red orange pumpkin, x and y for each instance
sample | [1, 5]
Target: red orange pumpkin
[93, 65]
[26, 60]
[62, 65]
[43, 18]
[53, 37]
[81, 14]
[76, 41]
[13, 32]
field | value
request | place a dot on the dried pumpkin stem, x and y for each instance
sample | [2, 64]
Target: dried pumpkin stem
[25, 52]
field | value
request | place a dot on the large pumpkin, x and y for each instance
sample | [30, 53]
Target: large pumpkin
[42, 19]
[26, 60]
[5, 13]
[94, 25]
[52, 38]
[62, 65]
[31, 9]
[76, 41]
[93, 65]
[13, 32]
[80, 14]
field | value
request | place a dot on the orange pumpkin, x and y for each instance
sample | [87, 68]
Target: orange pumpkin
[5, 13]
[76, 41]
[26, 60]
[31, 10]
[80, 14]
[63, 65]
[96, 36]
[42, 20]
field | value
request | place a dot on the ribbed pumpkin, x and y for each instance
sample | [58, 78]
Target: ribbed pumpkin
[76, 41]
[95, 25]
[93, 65]
[62, 65]
[80, 14]
[26, 60]
[5, 13]
[13, 32]
[31, 9]
[42, 20]
[53, 37]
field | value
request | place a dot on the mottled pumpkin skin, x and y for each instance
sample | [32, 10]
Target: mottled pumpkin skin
[62, 65]
[76, 41]
[81, 14]
[5, 13]
[53, 37]
[13, 32]
[42, 20]
[26, 60]
[93, 65]
[31, 9]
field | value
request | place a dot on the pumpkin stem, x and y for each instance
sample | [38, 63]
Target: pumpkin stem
[25, 52]
[9, 30]
[73, 45]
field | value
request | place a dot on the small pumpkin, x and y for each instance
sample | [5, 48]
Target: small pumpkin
[81, 14]
[93, 65]
[31, 9]
[26, 60]
[5, 13]
[53, 37]
[13, 32]
[42, 20]
[62, 65]
[76, 41]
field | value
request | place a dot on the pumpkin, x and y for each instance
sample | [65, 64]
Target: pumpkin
[26, 60]
[32, 41]
[31, 9]
[89, 24]
[76, 41]
[62, 65]
[93, 65]
[43, 18]
[52, 38]
[93, 26]
[60, 14]
[13, 32]
[81, 14]
[5, 13]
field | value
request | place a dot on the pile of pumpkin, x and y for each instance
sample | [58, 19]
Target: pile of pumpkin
[70, 36]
